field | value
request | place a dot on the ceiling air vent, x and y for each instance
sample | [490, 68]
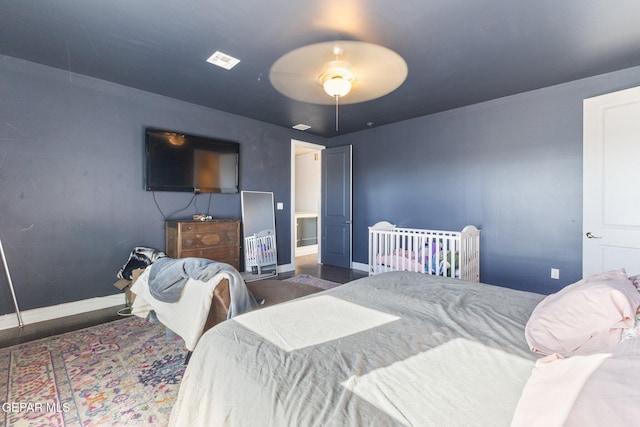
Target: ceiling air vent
[223, 60]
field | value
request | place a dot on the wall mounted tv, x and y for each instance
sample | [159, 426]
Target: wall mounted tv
[180, 162]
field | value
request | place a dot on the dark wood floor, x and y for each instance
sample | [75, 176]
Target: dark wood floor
[308, 264]
[304, 265]
[34, 331]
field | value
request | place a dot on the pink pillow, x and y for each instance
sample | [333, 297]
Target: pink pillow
[584, 317]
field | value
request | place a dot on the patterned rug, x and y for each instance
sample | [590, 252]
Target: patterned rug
[125, 372]
[307, 279]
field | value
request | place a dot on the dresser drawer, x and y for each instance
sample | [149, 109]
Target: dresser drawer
[218, 240]
[209, 227]
[229, 255]
[204, 240]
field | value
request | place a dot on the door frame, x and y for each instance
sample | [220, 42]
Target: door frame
[292, 203]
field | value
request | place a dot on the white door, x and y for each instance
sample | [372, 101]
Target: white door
[611, 179]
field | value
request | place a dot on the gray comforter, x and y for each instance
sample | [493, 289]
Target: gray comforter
[396, 349]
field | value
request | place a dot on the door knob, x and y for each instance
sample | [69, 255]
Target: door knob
[591, 236]
[348, 221]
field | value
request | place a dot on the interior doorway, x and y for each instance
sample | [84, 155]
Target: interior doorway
[305, 200]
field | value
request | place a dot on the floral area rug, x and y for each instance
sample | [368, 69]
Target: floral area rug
[308, 279]
[125, 372]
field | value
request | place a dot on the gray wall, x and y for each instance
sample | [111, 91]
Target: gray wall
[512, 167]
[72, 202]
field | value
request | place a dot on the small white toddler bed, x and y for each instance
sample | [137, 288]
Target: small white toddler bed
[406, 349]
[260, 250]
[437, 252]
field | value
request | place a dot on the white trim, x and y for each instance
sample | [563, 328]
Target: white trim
[360, 266]
[285, 268]
[351, 206]
[280, 268]
[297, 143]
[306, 250]
[43, 314]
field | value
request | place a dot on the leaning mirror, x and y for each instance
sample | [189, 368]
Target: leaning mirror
[259, 227]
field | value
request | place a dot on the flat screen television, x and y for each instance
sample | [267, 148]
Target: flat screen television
[180, 162]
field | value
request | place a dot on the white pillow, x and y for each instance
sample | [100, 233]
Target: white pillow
[584, 317]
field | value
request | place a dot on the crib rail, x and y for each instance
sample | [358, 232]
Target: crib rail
[470, 254]
[444, 253]
[260, 250]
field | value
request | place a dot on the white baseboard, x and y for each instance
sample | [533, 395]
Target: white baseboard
[285, 268]
[43, 314]
[307, 250]
[360, 266]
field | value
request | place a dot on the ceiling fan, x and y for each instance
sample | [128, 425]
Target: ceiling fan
[345, 72]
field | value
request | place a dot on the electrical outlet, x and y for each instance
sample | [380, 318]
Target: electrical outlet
[555, 273]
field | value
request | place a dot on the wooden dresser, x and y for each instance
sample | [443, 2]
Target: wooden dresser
[218, 240]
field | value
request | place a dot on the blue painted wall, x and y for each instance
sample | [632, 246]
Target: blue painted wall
[72, 201]
[512, 167]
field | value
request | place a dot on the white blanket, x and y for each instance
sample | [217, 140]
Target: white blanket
[185, 317]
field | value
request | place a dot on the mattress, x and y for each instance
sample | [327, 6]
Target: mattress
[395, 349]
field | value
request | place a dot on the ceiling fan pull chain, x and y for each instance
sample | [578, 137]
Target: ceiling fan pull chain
[337, 112]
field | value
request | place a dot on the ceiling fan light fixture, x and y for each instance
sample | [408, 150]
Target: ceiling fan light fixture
[337, 78]
[380, 71]
[337, 86]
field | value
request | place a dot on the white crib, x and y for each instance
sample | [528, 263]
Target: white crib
[260, 250]
[443, 253]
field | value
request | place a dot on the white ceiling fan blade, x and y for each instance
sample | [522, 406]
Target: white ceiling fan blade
[378, 71]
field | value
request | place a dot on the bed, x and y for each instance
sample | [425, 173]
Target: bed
[409, 349]
[436, 252]
[394, 349]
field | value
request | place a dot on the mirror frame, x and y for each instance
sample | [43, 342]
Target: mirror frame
[254, 223]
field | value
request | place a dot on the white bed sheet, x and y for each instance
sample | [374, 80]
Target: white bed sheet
[442, 371]
[187, 316]
[294, 327]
